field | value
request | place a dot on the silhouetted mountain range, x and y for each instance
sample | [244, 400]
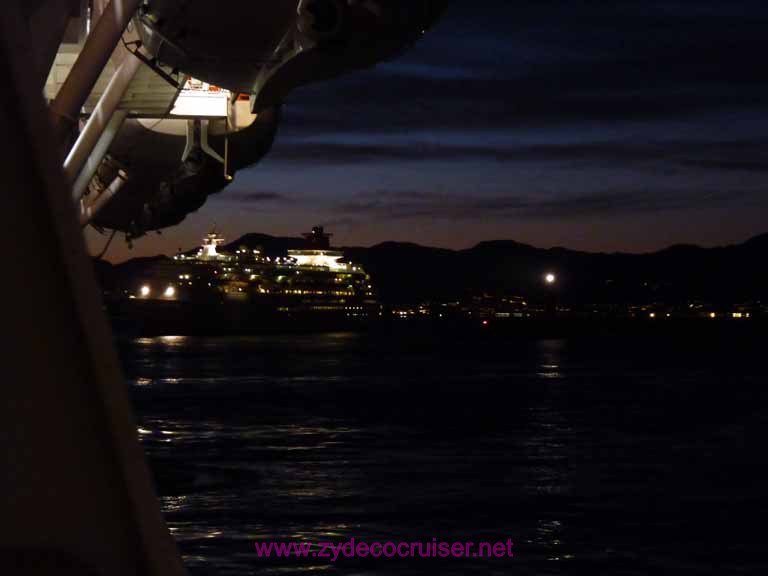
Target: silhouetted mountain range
[404, 272]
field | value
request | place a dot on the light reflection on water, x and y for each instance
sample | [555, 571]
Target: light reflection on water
[542, 442]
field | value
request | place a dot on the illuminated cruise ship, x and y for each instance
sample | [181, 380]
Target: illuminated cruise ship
[244, 288]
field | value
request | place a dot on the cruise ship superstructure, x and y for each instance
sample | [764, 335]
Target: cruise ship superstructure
[246, 287]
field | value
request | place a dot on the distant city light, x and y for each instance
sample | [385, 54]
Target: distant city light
[145, 290]
[550, 278]
[170, 292]
[652, 315]
[712, 315]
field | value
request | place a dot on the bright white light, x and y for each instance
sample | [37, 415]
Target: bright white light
[145, 290]
[170, 292]
[319, 258]
[201, 99]
[550, 278]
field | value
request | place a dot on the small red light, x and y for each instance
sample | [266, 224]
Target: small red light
[485, 322]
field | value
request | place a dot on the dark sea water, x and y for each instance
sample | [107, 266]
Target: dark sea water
[604, 454]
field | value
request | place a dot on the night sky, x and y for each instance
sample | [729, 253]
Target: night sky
[603, 126]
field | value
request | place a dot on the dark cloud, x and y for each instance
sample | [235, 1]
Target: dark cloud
[503, 65]
[254, 197]
[411, 204]
[739, 165]
[750, 156]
